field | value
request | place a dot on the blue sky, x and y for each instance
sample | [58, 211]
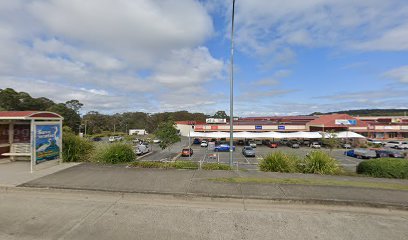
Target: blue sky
[292, 57]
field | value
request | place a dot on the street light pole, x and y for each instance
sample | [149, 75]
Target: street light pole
[232, 87]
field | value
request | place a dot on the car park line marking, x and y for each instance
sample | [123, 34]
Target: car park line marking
[246, 159]
[145, 155]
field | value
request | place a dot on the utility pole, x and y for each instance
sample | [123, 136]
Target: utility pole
[232, 88]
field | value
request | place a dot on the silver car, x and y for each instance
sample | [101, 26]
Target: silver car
[248, 151]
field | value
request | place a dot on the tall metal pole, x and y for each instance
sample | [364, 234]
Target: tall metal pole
[232, 88]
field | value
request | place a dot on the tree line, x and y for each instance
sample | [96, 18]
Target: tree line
[95, 122]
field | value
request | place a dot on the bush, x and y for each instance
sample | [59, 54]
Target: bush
[114, 153]
[384, 167]
[75, 148]
[279, 162]
[321, 163]
[215, 166]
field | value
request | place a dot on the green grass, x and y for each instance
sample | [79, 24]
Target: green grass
[179, 165]
[165, 165]
[318, 182]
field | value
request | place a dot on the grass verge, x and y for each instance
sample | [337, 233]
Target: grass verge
[179, 165]
[318, 182]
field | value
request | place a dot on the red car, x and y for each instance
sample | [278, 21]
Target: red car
[186, 152]
[273, 145]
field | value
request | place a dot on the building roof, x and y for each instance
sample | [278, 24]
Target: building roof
[27, 115]
[330, 121]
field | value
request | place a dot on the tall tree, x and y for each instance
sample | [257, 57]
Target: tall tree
[167, 133]
[74, 105]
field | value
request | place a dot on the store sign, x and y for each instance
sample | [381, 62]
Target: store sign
[216, 120]
[281, 127]
[47, 142]
[199, 127]
[258, 127]
[214, 127]
[345, 122]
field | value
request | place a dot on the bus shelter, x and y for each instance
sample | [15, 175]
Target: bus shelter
[34, 136]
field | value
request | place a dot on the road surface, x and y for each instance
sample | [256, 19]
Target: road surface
[63, 214]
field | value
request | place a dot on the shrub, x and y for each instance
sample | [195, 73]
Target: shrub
[279, 162]
[321, 163]
[114, 153]
[75, 148]
[384, 167]
[185, 165]
[215, 166]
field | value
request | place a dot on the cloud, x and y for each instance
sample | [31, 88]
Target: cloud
[111, 55]
[345, 24]
[399, 74]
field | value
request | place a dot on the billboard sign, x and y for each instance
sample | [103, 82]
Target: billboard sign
[216, 120]
[345, 122]
[281, 127]
[258, 127]
[47, 142]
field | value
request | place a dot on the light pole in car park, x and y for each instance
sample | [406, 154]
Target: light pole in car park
[232, 88]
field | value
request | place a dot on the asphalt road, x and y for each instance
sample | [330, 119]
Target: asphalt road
[202, 154]
[58, 214]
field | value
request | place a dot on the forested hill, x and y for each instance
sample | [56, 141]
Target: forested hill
[371, 112]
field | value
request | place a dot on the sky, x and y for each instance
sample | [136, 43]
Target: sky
[291, 57]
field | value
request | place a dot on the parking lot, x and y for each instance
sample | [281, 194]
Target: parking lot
[201, 154]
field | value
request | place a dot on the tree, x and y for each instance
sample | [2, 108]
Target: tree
[71, 118]
[221, 114]
[74, 105]
[167, 133]
[331, 141]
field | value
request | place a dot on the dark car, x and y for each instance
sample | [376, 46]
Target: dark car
[186, 152]
[293, 144]
[350, 153]
[388, 153]
[196, 141]
[96, 139]
[241, 142]
[223, 148]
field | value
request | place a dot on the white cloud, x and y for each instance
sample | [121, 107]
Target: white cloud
[398, 74]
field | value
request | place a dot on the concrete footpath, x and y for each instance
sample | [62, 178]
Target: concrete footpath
[197, 183]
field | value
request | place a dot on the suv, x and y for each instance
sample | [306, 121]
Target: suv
[186, 152]
[252, 144]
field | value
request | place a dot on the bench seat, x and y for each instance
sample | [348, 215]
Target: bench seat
[19, 150]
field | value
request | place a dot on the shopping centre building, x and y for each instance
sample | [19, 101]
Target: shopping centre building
[376, 127]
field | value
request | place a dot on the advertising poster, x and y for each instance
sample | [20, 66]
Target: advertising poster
[47, 142]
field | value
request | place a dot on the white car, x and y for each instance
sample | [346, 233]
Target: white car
[403, 145]
[204, 143]
[392, 144]
[374, 141]
[156, 141]
[252, 144]
[315, 145]
[142, 149]
[115, 138]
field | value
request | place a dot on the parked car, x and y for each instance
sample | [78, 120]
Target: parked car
[252, 144]
[403, 145]
[223, 148]
[142, 149]
[306, 142]
[388, 153]
[156, 141]
[196, 141]
[315, 145]
[97, 139]
[186, 152]
[204, 143]
[346, 145]
[350, 153]
[241, 142]
[248, 151]
[392, 144]
[266, 142]
[115, 139]
[364, 153]
[273, 145]
[374, 141]
[293, 144]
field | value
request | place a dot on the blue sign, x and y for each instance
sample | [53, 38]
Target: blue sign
[258, 127]
[47, 142]
[281, 127]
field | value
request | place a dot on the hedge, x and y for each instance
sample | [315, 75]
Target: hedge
[384, 168]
